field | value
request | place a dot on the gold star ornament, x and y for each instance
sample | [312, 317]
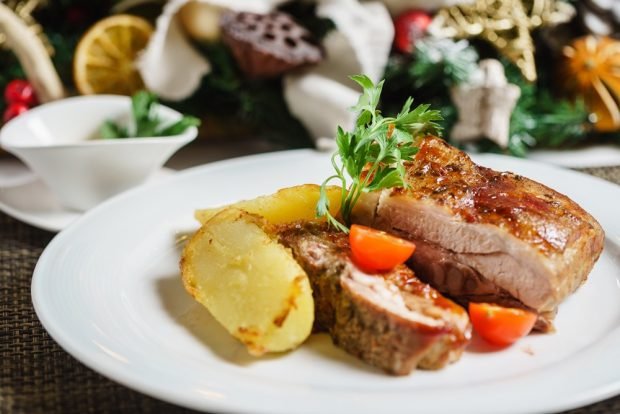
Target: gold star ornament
[506, 24]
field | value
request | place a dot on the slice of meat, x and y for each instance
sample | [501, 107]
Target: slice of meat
[484, 235]
[392, 320]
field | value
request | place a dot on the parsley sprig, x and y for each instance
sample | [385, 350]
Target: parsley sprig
[146, 123]
[374, 153]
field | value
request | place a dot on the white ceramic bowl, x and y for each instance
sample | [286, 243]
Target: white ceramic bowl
[58, 142]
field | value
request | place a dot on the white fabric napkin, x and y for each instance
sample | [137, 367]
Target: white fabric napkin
[319, 96]
[170, 65]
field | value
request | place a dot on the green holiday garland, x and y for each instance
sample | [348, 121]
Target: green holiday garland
[540, 118]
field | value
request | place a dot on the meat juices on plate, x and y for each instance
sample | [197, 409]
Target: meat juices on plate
[487, 236]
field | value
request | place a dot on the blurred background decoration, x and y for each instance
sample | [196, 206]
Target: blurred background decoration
[508, 75]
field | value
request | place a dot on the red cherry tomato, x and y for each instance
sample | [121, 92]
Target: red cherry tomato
[13, 110]
[376, 250]
[499, 325]
[20, 91]
[410, 26]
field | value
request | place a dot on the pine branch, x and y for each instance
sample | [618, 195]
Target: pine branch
[444, 61]
[541, 120]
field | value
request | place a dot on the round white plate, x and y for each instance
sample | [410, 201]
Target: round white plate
[602, 155]
[108, 291]
[25, 197]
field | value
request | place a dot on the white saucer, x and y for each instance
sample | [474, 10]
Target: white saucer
[25, 197]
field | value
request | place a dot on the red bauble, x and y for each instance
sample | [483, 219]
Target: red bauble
[14, 109]
[410, 26]
[20, 91]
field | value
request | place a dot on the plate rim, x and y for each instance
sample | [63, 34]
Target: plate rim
[134, 383]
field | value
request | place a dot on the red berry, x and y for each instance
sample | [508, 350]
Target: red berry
[20, 90]
[14, 109]
[410, 26]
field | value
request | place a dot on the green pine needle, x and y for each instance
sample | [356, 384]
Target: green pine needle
[443, 61]
[543, 121]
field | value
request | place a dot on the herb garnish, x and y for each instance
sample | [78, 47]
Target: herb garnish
[146, 123]
[373, 155]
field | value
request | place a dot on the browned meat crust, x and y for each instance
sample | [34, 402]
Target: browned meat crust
[392, 321]
[530, 211]
[496, 231]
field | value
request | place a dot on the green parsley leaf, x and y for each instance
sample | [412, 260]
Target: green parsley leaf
[179, 126]
[374, 153]
[146, 123]
[110, 130]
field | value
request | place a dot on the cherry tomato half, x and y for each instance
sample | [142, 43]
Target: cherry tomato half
[499, 325]
[376, 250]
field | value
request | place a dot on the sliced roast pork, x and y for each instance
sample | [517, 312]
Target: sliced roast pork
[487, 236]
[392, 320]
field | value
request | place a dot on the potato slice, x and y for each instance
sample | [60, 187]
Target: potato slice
[249, 282]
[286, 205]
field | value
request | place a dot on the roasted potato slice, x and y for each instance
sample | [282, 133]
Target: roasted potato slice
[286, 205]
[249, 282]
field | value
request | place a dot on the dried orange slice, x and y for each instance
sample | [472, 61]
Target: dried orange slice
[105, 57]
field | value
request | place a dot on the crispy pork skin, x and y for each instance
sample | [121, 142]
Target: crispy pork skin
[391, 320]
[487, 236]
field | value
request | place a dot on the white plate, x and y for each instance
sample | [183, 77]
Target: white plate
[108, 291]
[601, 155]
[25, 197]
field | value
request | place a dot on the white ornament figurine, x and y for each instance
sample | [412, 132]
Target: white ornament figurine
[485, 105]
